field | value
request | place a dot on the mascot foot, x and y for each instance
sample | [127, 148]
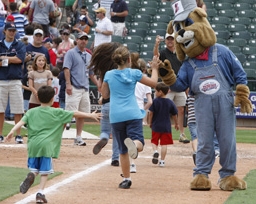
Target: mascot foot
[200, 183]
[231, 183]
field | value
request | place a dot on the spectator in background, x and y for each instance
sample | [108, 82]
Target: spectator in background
[25, 86]
[179, 98]
[118, 12]
[104, 28]
[53, 30]
[29, 31]
[106, 4]
[20, 20]
[41, 12]
[201, 4]
[69, 7]
[55, 44]
[77, 77]
[83, 11]
[83, 25]
[23, 4]
[47, 42]
[9, 19]
[12, 59]
[56, 86]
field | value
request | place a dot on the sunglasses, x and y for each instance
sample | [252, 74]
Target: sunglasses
[97, 12]
[65, 34]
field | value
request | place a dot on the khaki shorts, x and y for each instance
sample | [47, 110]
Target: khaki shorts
[78, 101]
[179, 98]
[13, 89]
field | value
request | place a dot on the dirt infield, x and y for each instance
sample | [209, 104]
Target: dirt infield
[90, 179]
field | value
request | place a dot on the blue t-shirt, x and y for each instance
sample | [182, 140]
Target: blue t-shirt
[123, 104]
[163, 109]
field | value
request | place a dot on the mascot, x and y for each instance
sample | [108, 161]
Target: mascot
[210, 71]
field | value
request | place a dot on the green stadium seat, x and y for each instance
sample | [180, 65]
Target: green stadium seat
[209, 5]
[133, 39]
[242, 6]
[152, 4]
[139, 32]
[223, 6]
[227, 13]
[164, 4]
[132, 10]
[223, 34]
[219, 27]
[149, 39]
[156, 32]
[146, 54]
[142, 18]
[249, 50]
[129, 18]
[237, 42]
[242, 34]
[252, 42]
[241, 57]
[234, 49]
[212, 12]
[250, 70]
[140, 25]
[247, 13]
[251, 58]
[161, 18]
[116, 38]
[147, 10]
[158, 25]
[167, 10]
[244, 1]
[132, 3]
[133, 47]
[221, 19]
[221, 41]
[237, 27]
[147, 47]
[228, 1]
[252, 28]
[241, 20]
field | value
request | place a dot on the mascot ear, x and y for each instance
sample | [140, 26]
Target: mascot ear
[169, 28]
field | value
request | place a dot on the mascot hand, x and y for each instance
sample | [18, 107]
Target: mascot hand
[241, 98]
[166, 73]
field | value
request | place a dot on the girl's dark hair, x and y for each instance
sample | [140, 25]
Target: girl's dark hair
[101, 60]
[162, 87]
[34, 62]
[134, 60]
[57, 40]
[121, 55]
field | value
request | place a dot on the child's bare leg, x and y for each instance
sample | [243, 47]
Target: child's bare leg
[43, 181]
[139, 145]
[125, 165]
[163, 151]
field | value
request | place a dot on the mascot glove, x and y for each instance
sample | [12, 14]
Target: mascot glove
[241, 98]
[166, 73]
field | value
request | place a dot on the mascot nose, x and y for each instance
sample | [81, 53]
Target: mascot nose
[181, 32]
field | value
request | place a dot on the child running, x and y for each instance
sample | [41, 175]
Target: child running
[125, 114]
[45, 126]
[37, 78]
[160, 123]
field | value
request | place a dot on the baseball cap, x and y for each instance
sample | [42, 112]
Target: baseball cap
[9, 26]
[47, 39]
[66, 31]
[10, 18]
[169, 35]
[83, 18]
[82, 34]
[100, 10]
[38, 31]
[182, 8]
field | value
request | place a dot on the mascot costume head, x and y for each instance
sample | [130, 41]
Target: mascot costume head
[210, 71]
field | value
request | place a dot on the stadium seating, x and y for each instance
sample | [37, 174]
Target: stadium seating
[133, 39]
[227, 13]
[241, 57]
[249, 50]
[223, 6]
[143, 18]
[247, 13]
[221, 19]
[235, 49]
[237, 42]
[156, 32]
[242, 34]
[241, 20]
[158, 25]
[223, 34]
[147, 10]
[116, 38]
[242, 6]
[237, 27]
[139, 32]
[147, 47]
[133, 47]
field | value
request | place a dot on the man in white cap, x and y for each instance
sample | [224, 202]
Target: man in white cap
[77, 77]
[179, 98]
[36, 48]
[11, 61]
[104, 28]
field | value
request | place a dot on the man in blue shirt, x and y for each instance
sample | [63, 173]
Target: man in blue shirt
[12, 55]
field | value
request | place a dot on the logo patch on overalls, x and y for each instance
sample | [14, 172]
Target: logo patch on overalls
[209, 86]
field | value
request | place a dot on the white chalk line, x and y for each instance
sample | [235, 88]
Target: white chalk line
[66, 181]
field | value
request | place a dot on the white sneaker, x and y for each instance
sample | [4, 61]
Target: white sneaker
[217, 154]
[132, 168]
[79, 142]
[161, 163]
[132, 149]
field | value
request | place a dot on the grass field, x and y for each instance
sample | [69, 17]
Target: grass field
[11, 176]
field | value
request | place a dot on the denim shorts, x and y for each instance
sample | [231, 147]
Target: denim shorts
[131, 128]
[41, 165]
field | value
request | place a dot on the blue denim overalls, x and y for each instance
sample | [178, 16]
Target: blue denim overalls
[214, 111]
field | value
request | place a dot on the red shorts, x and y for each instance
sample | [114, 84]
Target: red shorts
[165, 138]
[55, 105]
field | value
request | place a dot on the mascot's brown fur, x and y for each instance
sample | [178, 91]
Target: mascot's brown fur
[192, 40]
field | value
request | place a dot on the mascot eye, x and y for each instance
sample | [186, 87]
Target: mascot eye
[188, 22]
[177, 27]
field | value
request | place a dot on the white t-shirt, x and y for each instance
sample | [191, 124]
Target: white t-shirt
[140, 92]
[56, 86]
[103, 25]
